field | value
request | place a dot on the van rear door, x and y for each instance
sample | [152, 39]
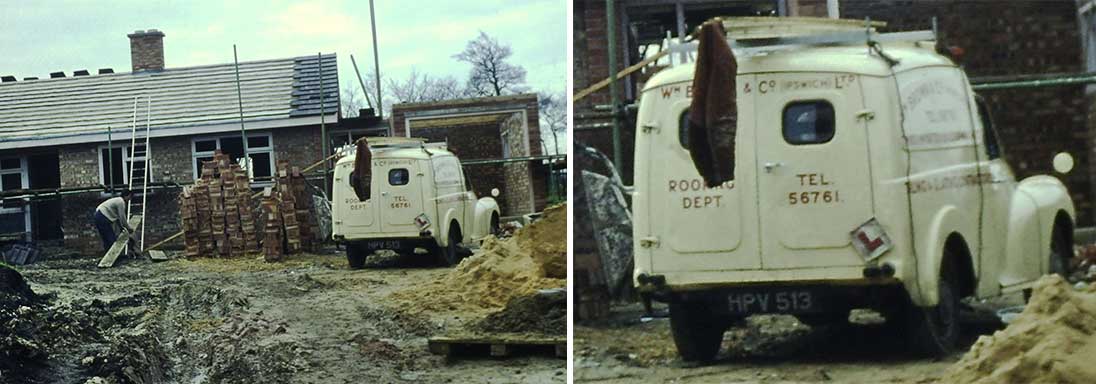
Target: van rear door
[400, 182]
[693, 227]
[813, 174]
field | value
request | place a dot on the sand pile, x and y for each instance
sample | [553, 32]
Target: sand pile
[1052, 341]
[547, 241]
[500, 270]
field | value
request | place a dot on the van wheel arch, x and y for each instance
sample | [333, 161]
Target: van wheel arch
[958, 256]
[1061, 244]
[493, 225]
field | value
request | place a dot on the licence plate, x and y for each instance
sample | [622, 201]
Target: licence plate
[794, 301]
[382, 244]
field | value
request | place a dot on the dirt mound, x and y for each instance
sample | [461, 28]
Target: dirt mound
[1052, 341]
[21, 347]
[500, 270]
[546, 240]
[543, 313]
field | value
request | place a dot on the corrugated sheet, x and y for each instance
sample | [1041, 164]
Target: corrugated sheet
[36, 112]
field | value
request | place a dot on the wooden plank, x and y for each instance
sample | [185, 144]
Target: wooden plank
[497, 345]
[157, 255]
[625, 72]
[112, 254]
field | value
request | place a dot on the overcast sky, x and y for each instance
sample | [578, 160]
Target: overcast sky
[39, 37]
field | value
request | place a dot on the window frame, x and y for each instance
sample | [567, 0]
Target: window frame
[784, 126]
[269, 149]
[683, 127]
[24, 183]
[991, 138]
[406, 176]
[103, 176]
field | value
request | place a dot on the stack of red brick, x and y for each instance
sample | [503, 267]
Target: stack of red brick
[217, 215]
[287, 210]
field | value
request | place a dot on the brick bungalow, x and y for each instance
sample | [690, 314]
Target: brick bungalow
[54, 133]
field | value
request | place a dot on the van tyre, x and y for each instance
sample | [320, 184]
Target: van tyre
[451, 252]
[698, 334]
[1060, 253]
[355, 256]
[934, 331]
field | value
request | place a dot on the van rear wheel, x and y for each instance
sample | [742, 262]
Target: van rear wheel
[698, 333]
[355, 256]
[934, 331]
[450, 252]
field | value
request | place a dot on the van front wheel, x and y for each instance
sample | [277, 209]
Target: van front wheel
[697, 333]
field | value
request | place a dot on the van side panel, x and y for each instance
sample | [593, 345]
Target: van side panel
[945, 178]
[889, 164]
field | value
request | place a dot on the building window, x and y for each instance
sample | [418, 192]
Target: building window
[260, 148]
[13, 176]
[114, 165]
[808, 122]
[14, 215]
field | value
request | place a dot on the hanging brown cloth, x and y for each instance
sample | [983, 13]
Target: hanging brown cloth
[713, 116]
[362, 174]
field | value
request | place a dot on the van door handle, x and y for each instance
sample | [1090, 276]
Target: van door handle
[384, 193]
[770, 165]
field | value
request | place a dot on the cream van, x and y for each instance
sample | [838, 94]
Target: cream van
[868, 175]
[417, 197]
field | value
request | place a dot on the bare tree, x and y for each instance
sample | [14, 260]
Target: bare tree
[420, 87]
[491, 75]
[553, 116]
[351, 100]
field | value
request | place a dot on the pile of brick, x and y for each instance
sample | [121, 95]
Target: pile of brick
[287, 210]
[216, 211]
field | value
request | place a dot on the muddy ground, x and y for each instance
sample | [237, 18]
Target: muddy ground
[308, 319]
[627, 348]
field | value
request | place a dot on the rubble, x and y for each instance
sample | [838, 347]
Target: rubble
[543, 313]
[1052, 341]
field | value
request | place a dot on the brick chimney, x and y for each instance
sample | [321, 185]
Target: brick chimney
[146, 50]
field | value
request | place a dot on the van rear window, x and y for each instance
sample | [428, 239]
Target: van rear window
[808, 122]
[397, 176]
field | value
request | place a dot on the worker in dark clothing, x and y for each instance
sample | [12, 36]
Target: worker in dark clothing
[111, 216]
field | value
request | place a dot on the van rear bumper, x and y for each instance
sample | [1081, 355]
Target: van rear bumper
[399, 244]
[794, 299]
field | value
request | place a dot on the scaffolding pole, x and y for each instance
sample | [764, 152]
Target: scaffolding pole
[610, 16]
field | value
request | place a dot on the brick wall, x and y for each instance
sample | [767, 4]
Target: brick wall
[526, 102]
[475, 142]
[483, 141]
[1025, 37]
[519, 179]
[172, 161]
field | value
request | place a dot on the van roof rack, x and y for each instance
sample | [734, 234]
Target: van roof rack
[750, 36]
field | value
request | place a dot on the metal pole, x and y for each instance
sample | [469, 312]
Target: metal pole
[610, 16]
[110, 161]
[1035, 83]
[323, 125]
[376, 61]
[362, 83]
[240, 100]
